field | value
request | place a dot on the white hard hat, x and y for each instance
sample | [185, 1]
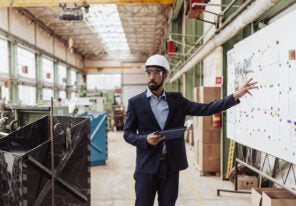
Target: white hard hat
[159, 61]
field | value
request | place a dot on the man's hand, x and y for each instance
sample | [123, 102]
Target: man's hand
[245, 89]
[154, 138]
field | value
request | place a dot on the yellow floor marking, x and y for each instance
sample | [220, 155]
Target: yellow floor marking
[132, 195]
[192, 188]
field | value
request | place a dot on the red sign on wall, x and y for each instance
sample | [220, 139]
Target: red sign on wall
[219, 80]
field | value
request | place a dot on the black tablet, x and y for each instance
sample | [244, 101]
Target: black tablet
[173, 133]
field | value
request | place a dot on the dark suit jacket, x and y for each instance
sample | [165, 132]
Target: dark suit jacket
[140, 122]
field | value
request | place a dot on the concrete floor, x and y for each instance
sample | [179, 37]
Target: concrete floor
[112, 184]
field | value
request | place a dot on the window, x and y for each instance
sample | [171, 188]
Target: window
[73, 95]
[26, 63]
[79, 79]
[62, 75]
[62, 94]
[73, 78]
[4, 68]
[27, 95]
[103, 81]
[47, 94]
[4, 93]
[47, 70]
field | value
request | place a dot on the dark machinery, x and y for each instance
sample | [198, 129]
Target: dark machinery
[25, 163]
[7, 120]
[73, 13]
[14, 117]
[118, 117]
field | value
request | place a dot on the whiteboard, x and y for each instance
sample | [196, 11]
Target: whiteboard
[267, 120]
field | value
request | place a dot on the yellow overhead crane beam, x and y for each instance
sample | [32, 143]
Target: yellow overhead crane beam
[44, 3]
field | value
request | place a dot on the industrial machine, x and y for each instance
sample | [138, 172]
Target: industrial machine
[98, 137]
[93, 108]
[118, 117]
[40, 167]
[12, 117]
[7, 120]
[75, 12]
[80, 105]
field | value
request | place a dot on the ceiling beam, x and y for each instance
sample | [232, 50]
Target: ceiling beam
[44, 3]
[98, 68]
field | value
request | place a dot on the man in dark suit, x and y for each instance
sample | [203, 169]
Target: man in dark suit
[158, 160]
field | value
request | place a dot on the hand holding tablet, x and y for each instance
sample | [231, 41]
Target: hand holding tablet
[172, 133]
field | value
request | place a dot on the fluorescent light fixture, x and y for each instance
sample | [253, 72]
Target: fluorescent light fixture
[105, 21]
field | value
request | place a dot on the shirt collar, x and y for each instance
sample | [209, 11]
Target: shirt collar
[149, 94]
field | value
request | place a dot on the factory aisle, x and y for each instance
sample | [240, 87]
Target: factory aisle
[112, 184]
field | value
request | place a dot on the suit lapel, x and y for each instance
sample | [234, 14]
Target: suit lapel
[149, 110]
[170, 102]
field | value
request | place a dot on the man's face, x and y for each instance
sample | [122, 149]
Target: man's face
[156, 77]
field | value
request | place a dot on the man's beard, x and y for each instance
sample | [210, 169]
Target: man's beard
[155, 86]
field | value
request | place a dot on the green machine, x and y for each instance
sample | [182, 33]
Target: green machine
[13, 117]
[26, 115]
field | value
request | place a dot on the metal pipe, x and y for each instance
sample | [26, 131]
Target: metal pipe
[199, 40]
[230, 5]
[251, 13]
[208, 30]
[234, 15]
[236, 167]
[52, 152]
[177, 34]
[266, 176]
[210, 4]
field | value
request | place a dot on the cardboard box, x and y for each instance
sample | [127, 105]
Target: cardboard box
[212, 137]
[246, 182]
[207, 157]
[207, 138]
[256, 194]
[208, 165]
[205, 132]
[186, 135]
[206, 123]
[207, 94]
[275, 198]
[209, 151]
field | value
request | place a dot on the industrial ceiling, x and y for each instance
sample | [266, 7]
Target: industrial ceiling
[144, 25]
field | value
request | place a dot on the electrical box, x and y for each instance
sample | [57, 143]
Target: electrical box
[195, 8]
[171, 48]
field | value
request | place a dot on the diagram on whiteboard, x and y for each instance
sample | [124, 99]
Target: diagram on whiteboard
[267, 120]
